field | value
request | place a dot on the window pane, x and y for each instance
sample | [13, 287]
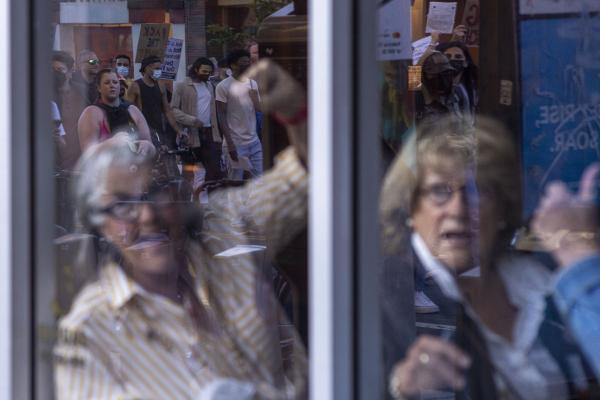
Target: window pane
[181, 201]
[491, 107]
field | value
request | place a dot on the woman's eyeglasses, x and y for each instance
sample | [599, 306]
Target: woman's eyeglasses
[441, 193]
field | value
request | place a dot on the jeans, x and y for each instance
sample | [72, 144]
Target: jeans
[253, 152]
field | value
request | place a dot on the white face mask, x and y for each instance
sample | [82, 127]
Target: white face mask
[156, 73]
[123, 70]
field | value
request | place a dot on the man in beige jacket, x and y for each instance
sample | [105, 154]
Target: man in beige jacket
[193, 105]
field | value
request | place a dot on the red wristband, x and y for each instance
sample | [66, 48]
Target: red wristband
[296, 119]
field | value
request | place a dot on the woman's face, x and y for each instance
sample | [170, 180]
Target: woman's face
[143, 227]
[456, 218]
[457, 58]
[109, 87]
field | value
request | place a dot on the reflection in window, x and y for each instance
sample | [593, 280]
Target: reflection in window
[485, 282]
[181, 204]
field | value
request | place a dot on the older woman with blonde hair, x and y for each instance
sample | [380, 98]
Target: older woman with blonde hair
[451, 202]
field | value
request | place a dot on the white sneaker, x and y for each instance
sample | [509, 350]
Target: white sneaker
[424, 305]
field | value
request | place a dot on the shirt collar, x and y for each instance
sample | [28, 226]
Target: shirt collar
[436, 269]
[120, 287]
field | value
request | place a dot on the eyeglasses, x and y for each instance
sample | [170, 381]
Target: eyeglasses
[441, 193]
[93, 61]
[128, 208]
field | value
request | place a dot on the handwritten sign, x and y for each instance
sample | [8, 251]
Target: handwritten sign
[440, 17]
[394, 31]
[171, 60]
[419, 47]
[470, 20]
[153, 41]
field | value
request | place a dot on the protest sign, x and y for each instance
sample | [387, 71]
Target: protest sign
[153, 41]
[171, 60]
[440, 17]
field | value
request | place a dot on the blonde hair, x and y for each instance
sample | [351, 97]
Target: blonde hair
[444, 146]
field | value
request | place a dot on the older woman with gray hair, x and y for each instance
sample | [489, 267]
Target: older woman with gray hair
[452, 200]
[166, 319]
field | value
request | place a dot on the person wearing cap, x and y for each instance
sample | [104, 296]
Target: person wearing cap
[150, 97]
[438, 98]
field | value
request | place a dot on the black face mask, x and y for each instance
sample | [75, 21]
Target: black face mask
[458, 65]
[59, 78]
[440, 84]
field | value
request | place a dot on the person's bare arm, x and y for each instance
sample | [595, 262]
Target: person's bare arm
[145, 141]
[133, 95]
[169, 112]
[224, 127]
[253, 93]
[88, 127]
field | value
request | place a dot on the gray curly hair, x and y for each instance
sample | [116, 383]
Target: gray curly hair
[93, 167]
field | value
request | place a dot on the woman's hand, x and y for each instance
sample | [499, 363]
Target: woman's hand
[431, 364]
[459, 34]
[573, 217]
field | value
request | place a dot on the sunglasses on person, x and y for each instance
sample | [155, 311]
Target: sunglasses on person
[93, 61]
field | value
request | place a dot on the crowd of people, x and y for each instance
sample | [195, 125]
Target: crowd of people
[212, 110]
[166, 317]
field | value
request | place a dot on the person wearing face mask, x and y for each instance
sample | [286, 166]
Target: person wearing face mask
[466, 76]
[122, 65]
[150, 97]
[438, 97]
[193, 104]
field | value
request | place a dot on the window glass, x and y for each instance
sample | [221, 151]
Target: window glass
[489, 203]
[179, 130]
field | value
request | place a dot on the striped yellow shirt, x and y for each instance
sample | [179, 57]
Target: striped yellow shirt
[121, 342]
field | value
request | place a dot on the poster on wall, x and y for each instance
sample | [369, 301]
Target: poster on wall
[153, 41]
[557, 6]
[171, 60]
[470, 20]
[394, 38]
[560, 80]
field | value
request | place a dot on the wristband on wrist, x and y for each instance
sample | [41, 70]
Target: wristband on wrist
[294, 120]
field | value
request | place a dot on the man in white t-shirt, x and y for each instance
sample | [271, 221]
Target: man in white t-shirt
[237, 102]
[194, 108]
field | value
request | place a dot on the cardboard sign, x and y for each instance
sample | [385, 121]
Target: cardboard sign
[170, 64]
[440, 17]
[153, 41]
[394, 31]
